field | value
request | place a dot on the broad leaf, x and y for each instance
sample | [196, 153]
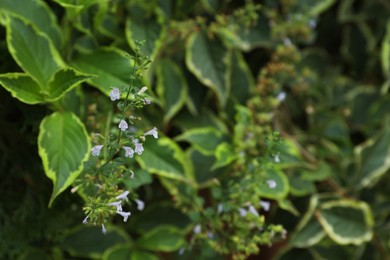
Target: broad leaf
[241, 79]
[122, 252]
[310, 234]
[347, 222]
[111, 66]
[63, 146]
[385, 53]
[224, 155]
[171, 87]
[208, 60]
[162, 238]
[32, 50]
[165, 158]
[37, 13]
[205, 140]
[282, 185]
[22, 87]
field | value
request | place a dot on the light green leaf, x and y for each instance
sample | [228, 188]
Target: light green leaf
[111, 66]
[32, 50]
[208, 60]
[22, 87]
[385, 52]
[282, 185]
[224, 155]
[374, 158]
[162, 238]
[63, 147]
[346, 221]
[164, 157]
[63, 81]
[172, 87]
[37, 13]
[205, 140]
[309, 235]
[89, 242]
[148, 30]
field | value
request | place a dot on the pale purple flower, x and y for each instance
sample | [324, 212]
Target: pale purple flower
[147, 101]
[95, 151]
[117, 204]
[281, 96]
[129, 152]
[152, 132]
[125, 215]
[242, 212]
[138, 147]
[265, 205]
[123, 125]
[210, 234]
[312, 23]
[122, 196]
[287, 42]
[115, 94]
[253, 210]
[104, 231]
[271, 184]
[197, 229]
[140, 204]
[85, 220]
[219, 208]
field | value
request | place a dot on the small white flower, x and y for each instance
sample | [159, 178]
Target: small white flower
[115, 94]
[122, 196]
[85, 220]
[125, 215]
[104, 231]
[142, 90]
[312, 23]
[140, 204]
[253, 210]
[265, 205]
[95, 151]
[276, 158]
[197, 229]
[271, 184]
[181, 251]
[147, 101]
[138, 147]
[287, 42]
[123, 125]
[242, 212]
[220, 208]
[129, 152]
[281, 96]
[210, 234]
[117, 204]
[152, 132]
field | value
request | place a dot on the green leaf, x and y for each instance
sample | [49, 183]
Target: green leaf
[148, 30]
[37, 13]
[224, 155]
[126, 252]
[22, 87]
[208, 60]
[164, 157]
[172, 87]
[63, 81]
[111, 66]
[162, 238]
[89, 242]
[374, 158]
[63, 146]
[346, 221]
[205, 140]
[310, 234]
[385, 52]
[32, 50]
[241, 79]
[282, 185]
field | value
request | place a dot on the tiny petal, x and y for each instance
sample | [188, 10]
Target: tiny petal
[197, 229]
[220, 208]
[104, 231]
[85, 220]
[95, 151]
[181, 251]
[138, 147]
[117, 204]
[287, 42]
[276, 158]
[242, 212]
[129, 152]
[281, 96]
[142, 90]
[122, 196]
[125, 215]
[253, 210]
[140, 204]
[265, 205]
[152, 132]
[123, 125]
[115, 94]
[271, 184]
[147, 101]
[210, 234]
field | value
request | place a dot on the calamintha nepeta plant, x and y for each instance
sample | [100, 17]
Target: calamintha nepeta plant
[109, 165]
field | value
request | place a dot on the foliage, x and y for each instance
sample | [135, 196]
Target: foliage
[273, 129]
